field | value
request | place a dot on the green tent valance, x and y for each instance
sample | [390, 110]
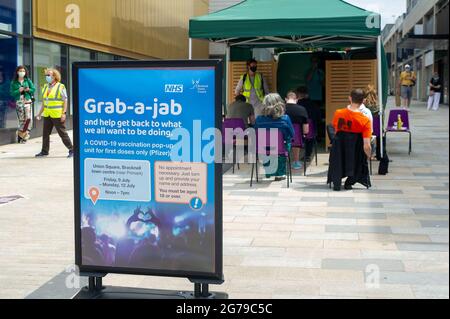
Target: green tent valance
[292, 20]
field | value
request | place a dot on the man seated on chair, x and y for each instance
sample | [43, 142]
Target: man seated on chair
[351, 120]
[314, 115]
[298, 115]
[240, 109]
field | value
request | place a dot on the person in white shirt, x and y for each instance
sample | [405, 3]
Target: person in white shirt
[367, 112]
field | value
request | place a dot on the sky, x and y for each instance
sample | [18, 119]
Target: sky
[389, 9]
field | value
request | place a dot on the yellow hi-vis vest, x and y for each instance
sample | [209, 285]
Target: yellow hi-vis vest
[53, 101]
[258, 86]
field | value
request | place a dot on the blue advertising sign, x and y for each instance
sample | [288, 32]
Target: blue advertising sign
[148, 191]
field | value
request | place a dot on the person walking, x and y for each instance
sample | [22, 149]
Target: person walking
[435, 92]
[407, 82]
[54, 111]
[253, 86]
[22, 91]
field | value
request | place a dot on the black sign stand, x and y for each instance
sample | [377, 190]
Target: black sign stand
[96, 290]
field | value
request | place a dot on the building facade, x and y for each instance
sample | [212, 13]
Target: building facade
[420, 38]
[56, 33]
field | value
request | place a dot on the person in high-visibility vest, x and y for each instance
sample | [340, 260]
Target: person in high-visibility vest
[54, 111]
[253, 86]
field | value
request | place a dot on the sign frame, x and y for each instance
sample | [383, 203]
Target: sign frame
[99, 271]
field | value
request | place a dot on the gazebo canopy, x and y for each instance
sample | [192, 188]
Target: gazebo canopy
[302, 23]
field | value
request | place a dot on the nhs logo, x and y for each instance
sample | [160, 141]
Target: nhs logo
[174, 88]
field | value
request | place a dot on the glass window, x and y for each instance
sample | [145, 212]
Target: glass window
[15, 16]
[77, 55]
[121, 58]
[48, 54]
[104, 56]
[13, 52]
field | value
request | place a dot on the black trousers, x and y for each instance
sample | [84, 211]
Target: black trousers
[49, 124]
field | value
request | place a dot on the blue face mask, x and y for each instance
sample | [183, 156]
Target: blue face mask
[49, 79]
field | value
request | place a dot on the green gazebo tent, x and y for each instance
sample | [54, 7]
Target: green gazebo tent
[295, 23]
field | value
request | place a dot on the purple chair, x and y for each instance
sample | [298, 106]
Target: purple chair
[228, 139]
[376, 126]
[392, 124]
[265, 148]
[376, 132]
[299, 142]
[312, 136]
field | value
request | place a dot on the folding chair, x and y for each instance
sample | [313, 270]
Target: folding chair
[231, 139]
[264, 148]
[394, 115]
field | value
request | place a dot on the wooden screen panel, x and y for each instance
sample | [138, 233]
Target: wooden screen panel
[237, 69]
[344, 76]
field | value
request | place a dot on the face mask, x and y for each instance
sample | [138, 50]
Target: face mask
[254, 69]
[21, 74]
[49, 79]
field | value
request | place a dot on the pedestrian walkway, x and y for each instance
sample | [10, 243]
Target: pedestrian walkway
[303, 242]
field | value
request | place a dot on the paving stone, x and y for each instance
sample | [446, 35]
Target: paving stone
[356, 216]
[428, 256]
[436, 188]
[439, 238]
[426, 266]
[325, 221]
[254, 194]
[345, 244]
[358, 229]
[344, 200]
[363, 264]
[422, 247]
[324, 236]
[323, 253]
[390, 222]
[363, 291]
[356, 205]
[438, 196]
[394, 238]
[294, 228]
[381, 191]
[255, 251]
[281, 262]
[434, 223]
[414, 278]
[421, 231]
[431, 174]
[431, 292]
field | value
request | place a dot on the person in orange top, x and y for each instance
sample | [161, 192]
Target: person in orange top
[351, 120]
